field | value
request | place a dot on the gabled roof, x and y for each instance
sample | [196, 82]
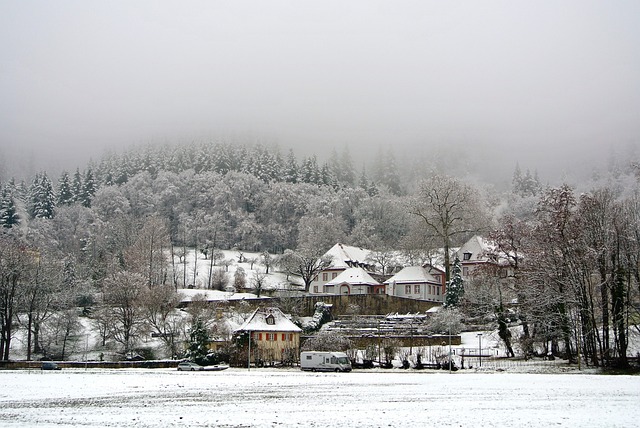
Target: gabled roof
[346, 256]
[258, 321]
[353, 276]
[477, 247]
[481, 250]
[412, 274]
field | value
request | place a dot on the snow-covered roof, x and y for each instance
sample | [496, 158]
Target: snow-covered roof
[354, 276]
[412, 274]
[480, 250]
[345, 256]
[269, 319]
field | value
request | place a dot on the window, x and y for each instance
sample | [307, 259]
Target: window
[309, 357]
[465, 271]
[271, 320]
[259, 336]
[333, 275]
[466, 256]
[315, 288]
[284, 337]
[272, 336]
[416, 288]
[325, 276]
[407, 289]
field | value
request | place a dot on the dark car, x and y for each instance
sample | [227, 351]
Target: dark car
[48, 365]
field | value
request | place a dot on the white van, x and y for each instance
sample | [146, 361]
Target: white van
[321, 361]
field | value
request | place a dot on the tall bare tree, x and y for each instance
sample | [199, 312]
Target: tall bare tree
[15, 258]
[304, 262]
[448, 209]
[123, 294]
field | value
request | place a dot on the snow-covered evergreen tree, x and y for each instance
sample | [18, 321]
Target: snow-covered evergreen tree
[42, 198]
[328, 178]
[8, 212]
[198, 342]
[526, 184]
[76, 186]
[389, 175]
[65, 194]
[310, 171]
[291, 170]
[346, 172]
[455, 287]
[88, 188]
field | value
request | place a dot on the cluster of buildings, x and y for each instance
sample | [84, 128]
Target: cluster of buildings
[353, 272]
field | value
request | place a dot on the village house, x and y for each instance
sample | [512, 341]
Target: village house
[354, 280]
[275, 336]
[343, 257]
[478, 252]
[416, 282]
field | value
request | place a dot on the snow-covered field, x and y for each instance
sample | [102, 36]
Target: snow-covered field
[289, 397]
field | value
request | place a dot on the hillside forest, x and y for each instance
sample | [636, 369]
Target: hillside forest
[101, 242]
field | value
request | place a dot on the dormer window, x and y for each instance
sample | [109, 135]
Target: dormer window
[466, 256]
[271, 320]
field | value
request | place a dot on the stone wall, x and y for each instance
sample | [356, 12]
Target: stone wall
[364, 304]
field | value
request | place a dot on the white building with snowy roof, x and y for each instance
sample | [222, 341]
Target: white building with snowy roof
[478, 252]
[275, 336]
[416, 282]
[354, 280]
[343, 257]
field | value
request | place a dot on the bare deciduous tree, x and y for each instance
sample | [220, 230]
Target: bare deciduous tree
[448, 209]
[122, 294]
[304, 262]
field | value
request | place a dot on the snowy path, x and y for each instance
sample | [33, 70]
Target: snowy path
[235, 397]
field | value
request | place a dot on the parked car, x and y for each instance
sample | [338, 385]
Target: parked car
[189, 366]
[48, 365]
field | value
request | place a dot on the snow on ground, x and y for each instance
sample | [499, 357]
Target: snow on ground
[275, 280]
[289, 398]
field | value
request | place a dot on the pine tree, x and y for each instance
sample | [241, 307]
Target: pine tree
[76, 186]
[65, 194]
[364, 181]
[42, 197]
[346, 172]
[291, 173]
[310, 171]
[198, 342]
[88, 188]
[8, 212]
[389, 175]
[455, 288]
[328, 179]
[516, 182]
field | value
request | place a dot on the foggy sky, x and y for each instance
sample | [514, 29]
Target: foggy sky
[539, 82]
